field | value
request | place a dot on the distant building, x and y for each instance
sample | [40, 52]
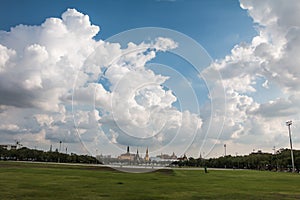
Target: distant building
[147, 158]
[167, 157]
[184, 158]
[134, 157]
[164, 158]
[137, 156]
[127, 156]
[8, 146]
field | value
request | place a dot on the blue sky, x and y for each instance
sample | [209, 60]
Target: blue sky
[217, 25]
[251, 88]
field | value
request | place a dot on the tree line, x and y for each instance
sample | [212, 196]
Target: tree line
[280, 161]
[26, 154]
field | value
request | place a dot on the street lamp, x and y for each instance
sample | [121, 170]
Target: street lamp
[289, 123]
[60, 146]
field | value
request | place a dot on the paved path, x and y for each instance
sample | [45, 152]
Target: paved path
[131, 168]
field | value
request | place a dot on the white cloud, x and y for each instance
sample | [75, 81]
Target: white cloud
[117, 100]
[48, 70]
[271, 55]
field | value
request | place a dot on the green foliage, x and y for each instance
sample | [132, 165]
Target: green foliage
[281, 161]
[26, 154]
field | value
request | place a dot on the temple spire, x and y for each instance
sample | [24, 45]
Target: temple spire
[147, 155]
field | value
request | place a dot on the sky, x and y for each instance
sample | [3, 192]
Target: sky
[172, 76]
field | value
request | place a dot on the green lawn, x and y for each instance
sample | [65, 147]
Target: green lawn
[43, 181]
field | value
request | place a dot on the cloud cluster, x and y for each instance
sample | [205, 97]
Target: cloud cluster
[58, 82]
[268, 65]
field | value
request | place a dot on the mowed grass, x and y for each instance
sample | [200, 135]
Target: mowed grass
[48, 181]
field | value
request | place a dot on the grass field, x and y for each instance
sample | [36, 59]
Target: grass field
[45, 181]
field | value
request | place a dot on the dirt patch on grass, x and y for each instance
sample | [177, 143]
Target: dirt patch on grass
[99, 168]
[165, 171]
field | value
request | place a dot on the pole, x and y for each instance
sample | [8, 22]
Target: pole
[60, 146]
[225, 153]
[289, 123]
[274, 148]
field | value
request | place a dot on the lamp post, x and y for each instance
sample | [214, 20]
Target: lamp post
[289, 123]
[60, 146]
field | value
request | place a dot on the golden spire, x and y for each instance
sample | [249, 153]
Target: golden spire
[147, 155]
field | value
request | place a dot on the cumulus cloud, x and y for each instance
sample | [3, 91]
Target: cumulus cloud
[57, 83]
[272, 56]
